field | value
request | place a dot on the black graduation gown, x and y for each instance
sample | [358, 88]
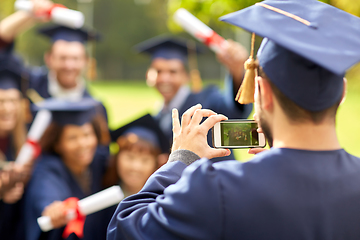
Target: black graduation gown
[11, 215]
[52, 181]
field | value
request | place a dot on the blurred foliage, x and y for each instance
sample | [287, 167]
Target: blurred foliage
[209, 11]
[350, 6]
[124, 23]
[6, 8]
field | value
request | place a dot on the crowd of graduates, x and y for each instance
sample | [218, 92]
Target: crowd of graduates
[73, 158]
[301, 188]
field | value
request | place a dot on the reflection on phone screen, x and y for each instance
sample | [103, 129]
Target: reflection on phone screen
[239, 134]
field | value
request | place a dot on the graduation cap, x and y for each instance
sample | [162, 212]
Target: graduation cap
[167, 47]
[57, 32]
[307, 49]
[11, 72]
[69, 112]
[145, 128]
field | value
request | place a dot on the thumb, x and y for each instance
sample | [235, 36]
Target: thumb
[213, 153]
[256, 150]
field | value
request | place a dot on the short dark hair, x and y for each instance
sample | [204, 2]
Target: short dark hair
[296, 113]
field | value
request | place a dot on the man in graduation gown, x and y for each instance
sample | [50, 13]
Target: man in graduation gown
[169, 59]
[66, 60]
[306, 186]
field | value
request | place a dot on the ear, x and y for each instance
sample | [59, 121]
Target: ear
[344, 91]
[265, 93]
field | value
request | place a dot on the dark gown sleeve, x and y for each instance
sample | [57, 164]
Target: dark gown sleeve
[6, 46]
[38, 80]
[46, 186]
[51, 182]
[159, 213]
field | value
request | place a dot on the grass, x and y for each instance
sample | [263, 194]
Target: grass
[128, 100]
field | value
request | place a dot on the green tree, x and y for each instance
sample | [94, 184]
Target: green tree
[6, 8]
[209, 11]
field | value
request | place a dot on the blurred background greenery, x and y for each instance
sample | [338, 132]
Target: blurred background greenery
[121, 71]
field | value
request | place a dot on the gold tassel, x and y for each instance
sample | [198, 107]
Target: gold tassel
[91, 71]
[34, 96]
[196, 82]
[195, 78]
[245, 95]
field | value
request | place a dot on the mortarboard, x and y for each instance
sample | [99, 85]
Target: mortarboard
[57, 32]
[167, 47]
[70, 112]
[11, 72]
[145, 128]
[307, 49]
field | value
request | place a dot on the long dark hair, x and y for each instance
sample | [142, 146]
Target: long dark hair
[129, 142]
[54, 131]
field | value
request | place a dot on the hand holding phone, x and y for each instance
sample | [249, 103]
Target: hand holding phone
[192, 133]
[237, 133]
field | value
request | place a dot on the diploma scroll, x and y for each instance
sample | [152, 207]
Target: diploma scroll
[38, 127]
[91, 204]
[60, 15]
[199, 30]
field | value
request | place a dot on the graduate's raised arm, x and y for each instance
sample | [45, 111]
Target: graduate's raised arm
[20, 21]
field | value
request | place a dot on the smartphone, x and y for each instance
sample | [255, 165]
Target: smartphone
[237, 133]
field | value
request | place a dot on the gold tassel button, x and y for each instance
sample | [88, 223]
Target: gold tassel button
[246, 91]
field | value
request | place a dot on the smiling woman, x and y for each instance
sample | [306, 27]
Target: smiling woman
[143, 148]
[12, 137]
[72, 166]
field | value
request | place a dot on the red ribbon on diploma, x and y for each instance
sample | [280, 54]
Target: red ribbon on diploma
[214, 38]
[36, 146]
[77, 224]
[47, 13]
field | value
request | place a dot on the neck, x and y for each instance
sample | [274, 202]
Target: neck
[75, 169]
[305, 136]
[130, 190]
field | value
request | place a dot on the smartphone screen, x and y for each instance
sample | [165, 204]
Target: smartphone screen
[237, 134]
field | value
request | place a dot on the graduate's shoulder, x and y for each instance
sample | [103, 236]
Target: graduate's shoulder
[49, 163]
[37, 74]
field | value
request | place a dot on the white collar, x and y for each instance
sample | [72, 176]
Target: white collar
[178, 100]
[57, 91]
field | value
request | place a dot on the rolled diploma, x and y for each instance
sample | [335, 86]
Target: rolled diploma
[63, 16]
[41, 122]
[91, 204]
[196, 28]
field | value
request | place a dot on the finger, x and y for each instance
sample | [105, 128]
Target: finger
[213, 153]
[256, 150]
[186, 117]
[212, 120]
[200, 114]
[176, 122]
[259, 130]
